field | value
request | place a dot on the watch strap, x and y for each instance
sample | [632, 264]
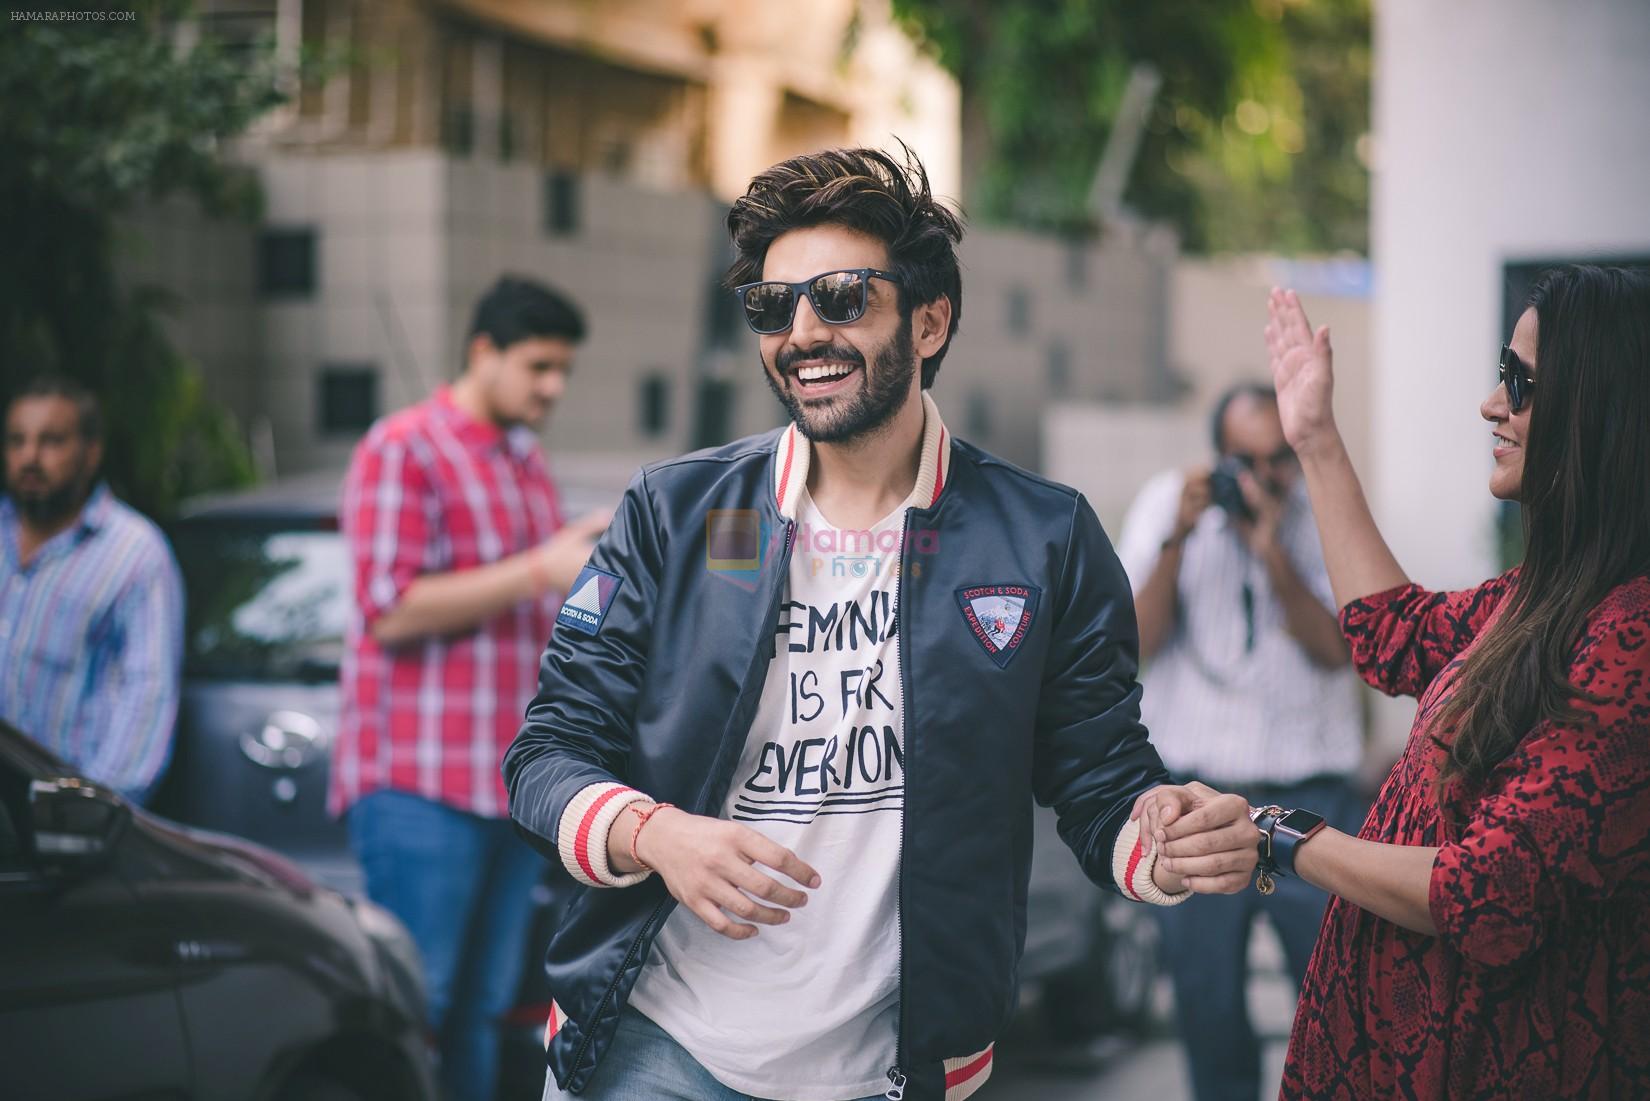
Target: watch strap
[1286, 843]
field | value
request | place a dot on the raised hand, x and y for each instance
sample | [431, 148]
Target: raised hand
[1302, 372]
[709, 866]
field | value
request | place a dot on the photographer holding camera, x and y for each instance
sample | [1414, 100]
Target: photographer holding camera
[1247, 688]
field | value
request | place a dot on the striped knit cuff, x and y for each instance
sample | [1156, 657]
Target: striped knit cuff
[582, 836]
[1131, 869]
[964, 1076]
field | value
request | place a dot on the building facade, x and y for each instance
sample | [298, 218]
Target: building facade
[596, 146]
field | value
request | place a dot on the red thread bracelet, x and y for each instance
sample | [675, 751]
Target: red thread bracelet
[641, 820]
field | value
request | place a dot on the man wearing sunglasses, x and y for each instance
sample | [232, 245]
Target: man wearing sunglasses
[1248, 689]
[789, 734]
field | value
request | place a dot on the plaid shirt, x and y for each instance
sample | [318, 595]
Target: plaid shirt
[432, 490]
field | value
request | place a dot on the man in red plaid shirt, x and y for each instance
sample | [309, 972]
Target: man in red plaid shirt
[460, 563]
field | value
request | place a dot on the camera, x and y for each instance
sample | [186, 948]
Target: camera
[1225, 491]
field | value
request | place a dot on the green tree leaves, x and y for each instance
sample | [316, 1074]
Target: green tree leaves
[1257, 138]
[96, 118]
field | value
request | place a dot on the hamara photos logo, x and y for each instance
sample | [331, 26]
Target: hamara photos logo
[1000, 617]
[589, 599]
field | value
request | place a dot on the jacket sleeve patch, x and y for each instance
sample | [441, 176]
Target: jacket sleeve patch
[589, 600]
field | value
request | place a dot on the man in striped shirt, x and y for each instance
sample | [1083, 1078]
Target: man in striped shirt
[1247, 688]
[91, 602]
[460, 562]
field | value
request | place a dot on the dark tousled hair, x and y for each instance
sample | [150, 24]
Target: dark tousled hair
[88, 410]
[1586, 527]
[865, 190]
[515, 309]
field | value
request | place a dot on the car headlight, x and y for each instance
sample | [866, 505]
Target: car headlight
[398, 952]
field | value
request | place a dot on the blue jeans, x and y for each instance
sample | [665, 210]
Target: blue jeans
[645, 1064]
[1205, 946]
[462, 885]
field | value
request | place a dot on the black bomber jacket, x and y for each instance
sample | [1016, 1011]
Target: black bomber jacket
[652, 679]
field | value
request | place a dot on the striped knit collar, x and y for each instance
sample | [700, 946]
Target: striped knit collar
[933, 470]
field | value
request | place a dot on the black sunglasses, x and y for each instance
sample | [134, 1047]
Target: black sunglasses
[838, 298]
[1516, 377]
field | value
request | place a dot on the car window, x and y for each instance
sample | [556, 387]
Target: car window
[264, 603]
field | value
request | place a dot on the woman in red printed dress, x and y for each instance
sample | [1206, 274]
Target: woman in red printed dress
[1490, 934]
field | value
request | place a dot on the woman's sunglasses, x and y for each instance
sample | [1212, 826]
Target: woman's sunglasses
[1516, 377]
[838, 298]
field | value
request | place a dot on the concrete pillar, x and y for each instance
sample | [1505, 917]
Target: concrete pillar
[1507, 131]
[743, 110]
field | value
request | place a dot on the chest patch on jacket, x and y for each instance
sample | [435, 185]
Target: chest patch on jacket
[589, 599]
[1000, 616]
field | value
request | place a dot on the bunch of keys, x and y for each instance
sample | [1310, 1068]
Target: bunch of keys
[1264, 883]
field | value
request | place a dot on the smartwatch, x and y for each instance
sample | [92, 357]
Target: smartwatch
[1288, 831]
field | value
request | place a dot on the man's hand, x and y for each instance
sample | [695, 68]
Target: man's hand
[1195, 498]
[457, 601]
[709, 866]
[1206, 840]
[556, 562]
[1260, 532]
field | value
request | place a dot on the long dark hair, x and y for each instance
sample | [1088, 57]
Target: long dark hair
[1585, 512]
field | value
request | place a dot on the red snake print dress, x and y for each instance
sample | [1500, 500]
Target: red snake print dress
[1537, 987]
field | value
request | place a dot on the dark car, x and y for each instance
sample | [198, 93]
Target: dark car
[143, 959]
[267, 577]
[1090, 963]
[269, 592]
[268, 596]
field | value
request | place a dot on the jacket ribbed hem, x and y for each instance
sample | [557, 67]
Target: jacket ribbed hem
[965, 1075]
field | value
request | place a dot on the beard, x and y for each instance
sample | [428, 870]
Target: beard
[45, 506]
[883, 389]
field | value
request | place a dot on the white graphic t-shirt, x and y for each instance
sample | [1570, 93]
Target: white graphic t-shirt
[808, 1010]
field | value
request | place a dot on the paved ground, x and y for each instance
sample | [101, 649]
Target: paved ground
[1150, 1069]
